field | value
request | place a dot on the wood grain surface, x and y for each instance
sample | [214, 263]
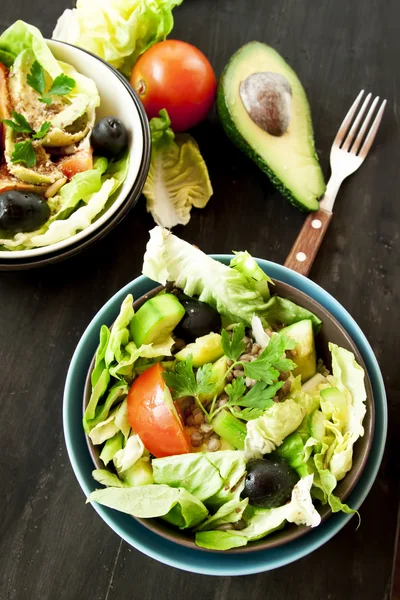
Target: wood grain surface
[53, 546]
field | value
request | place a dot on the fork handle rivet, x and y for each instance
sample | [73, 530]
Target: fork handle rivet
[316, 223]
[301, 257]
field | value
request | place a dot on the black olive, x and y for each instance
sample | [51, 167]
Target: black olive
[269, 483]
[109, 137]
[200, 319]
[22, 211]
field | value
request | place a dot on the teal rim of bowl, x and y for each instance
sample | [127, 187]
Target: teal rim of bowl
[174, 555]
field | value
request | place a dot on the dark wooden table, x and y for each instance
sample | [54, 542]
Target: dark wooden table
[54, 547]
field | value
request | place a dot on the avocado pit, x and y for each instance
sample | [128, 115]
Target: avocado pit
[267, 98]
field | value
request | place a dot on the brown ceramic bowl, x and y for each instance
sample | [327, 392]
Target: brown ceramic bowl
[331, 331]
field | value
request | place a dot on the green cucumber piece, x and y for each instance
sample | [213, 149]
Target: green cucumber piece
[229, 428]
[156, 319]
[306, 357]
[218, 371]
[206, 349]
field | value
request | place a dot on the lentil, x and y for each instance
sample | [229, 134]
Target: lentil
[196, 439]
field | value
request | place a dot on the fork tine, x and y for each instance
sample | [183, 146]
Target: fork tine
[354, 127]
[361, 133]
[347, 120]
[372, 132]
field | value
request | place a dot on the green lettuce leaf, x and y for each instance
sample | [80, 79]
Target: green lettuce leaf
[213, 477]
[349, 377]
[220, 540]
[169, 258]
[111, 447]
[108, 479]
[178, 177]
[247, 265]
[292, 451]
[262, 521]
[22, 36]
[175, 505]
[230, 512]
[125, 458]
[267, 432]
[116, 421]
[281, 310]
[120, 31]
[101, 411]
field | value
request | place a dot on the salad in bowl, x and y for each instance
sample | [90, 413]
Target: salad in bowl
[58, 166]
[210, 407]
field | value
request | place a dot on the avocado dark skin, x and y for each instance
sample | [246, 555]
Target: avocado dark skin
[199, 319]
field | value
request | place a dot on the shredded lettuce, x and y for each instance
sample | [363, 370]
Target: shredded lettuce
[178, 177]
[118, 31]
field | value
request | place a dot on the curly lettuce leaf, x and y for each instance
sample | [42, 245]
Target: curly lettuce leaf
[267, 432]
[281, 310]
[175, 505]
[119, 31]
[248, 266]
[21, 36]
[168, 258]
[263, 521]
[178, 177]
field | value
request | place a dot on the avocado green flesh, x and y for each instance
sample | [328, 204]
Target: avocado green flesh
[289, 160]
[305, 358]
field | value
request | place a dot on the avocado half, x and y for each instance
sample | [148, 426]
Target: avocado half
[289, 160]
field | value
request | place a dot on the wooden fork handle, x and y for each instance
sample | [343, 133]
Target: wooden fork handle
[306, 246]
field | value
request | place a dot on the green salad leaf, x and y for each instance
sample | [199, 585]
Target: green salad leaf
[19, 124]
[118, 32]
[107, 478]
[175, 505]
[213, 477]
[281, 310]
[272, 360]
[184, 382]
[21, 36]
[169, 258]
[178, 177]
[256, 277]
[263, 521]
[268, 431]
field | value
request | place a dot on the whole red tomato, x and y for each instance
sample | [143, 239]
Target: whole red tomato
[178, 77]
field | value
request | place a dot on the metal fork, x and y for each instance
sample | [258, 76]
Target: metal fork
[347, 154]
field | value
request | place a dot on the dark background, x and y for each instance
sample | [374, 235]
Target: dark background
[52, 546]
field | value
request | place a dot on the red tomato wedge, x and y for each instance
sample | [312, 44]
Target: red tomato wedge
[153, 415]
[76, 163]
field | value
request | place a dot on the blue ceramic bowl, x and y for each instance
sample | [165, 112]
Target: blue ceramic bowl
[194, 560]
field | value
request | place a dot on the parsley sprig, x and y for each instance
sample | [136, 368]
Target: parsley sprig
[24, 152]
[183, 381]
[61, 85]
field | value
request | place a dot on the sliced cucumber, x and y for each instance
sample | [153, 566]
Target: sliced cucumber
[317, 425]
[305, 358]
[156, 319]
[206, 349]
[229, 428]
[111, 447]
